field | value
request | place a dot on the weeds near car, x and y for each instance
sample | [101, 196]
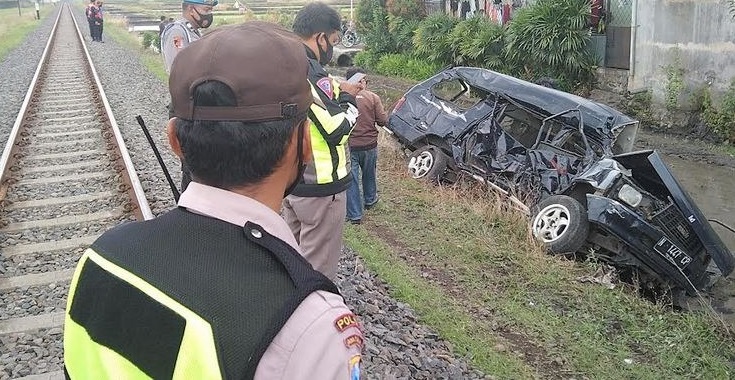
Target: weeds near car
[475, 252]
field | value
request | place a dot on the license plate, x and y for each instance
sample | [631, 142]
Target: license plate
[670, 251]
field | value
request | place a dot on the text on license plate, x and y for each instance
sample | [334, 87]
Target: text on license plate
[670, 251]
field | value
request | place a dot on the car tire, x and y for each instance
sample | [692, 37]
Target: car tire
[561, 223]
[428, 163]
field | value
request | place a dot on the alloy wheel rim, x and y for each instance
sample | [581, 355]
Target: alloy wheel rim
[551, 223]
[419, 166]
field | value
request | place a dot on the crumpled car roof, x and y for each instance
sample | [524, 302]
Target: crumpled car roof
[543, 99]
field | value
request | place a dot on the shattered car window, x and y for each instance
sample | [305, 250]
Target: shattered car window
[518, 123]
[458, 93]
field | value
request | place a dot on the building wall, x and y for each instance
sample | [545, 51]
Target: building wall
[698, 34]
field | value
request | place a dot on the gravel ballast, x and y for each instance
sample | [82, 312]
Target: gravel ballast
[397, 346]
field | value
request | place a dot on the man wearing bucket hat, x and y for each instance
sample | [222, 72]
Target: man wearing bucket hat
[195, 15]
[217, 288]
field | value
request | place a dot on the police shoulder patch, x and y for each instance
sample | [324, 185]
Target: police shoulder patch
[354, 340]
[345, 321]
[354, 367]
[178, 42]
[325, 84]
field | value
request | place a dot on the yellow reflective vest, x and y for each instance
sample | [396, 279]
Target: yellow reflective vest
[182, 296]
[330, 125]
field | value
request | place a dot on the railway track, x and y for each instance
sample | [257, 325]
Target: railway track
[66, 178]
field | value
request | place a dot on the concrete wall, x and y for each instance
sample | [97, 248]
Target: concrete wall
[697, 33]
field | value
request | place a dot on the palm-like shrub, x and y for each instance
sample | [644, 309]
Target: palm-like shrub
[372, 24]
[549, 38]
[402, 31]
[477, 41]
[431, 40]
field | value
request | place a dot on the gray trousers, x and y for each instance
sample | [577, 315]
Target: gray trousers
[317, 224]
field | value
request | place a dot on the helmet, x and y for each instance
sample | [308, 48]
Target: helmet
[202, 2]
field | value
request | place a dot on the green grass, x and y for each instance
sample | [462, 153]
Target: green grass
[569, 328]
[152, 60]
[14, 28]
[436, 308]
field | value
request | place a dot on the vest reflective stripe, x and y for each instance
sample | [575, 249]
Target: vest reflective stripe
[85, 358]
[330, 165]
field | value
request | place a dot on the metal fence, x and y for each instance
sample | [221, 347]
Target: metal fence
[620, 12]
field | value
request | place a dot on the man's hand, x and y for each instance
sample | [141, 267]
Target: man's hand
[351, 88]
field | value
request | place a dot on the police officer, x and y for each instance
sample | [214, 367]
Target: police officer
[91, 8]
[195, 15]
[317, 208]
[177, 35]
[217, 288]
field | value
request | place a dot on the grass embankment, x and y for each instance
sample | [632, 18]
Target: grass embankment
[116, 29]
[471, 271]
[14, 28]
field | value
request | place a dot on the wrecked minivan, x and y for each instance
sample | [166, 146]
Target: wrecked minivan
[566, 161]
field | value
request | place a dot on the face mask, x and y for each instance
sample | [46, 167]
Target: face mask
[301, 164]
[205, 20]
[325, 56]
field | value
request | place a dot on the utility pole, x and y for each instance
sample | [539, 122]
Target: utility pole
[19, 8]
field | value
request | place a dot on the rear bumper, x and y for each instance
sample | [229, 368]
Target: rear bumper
[641, 237]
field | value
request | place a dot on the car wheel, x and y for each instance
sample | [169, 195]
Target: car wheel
[561, 224]
[428, 163]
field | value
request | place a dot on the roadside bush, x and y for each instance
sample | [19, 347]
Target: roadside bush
[151, 40]
[366, 59]
[403, 65]
[372, 24]
[402, 31]
[639, 106]
[721, 119]
[478, 41]
[432, 41]
[549, 39]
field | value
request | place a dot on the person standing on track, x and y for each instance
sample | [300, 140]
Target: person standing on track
[217, 288]
[316, 209]
[177, 35]
[90, 20]
[99, 21]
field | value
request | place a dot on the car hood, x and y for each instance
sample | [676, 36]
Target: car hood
[649, 167]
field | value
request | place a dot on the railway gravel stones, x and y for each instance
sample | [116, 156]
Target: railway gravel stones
[397, 346]
[65, 188]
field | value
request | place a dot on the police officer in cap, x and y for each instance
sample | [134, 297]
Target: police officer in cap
[176, 36]
[216, 288]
